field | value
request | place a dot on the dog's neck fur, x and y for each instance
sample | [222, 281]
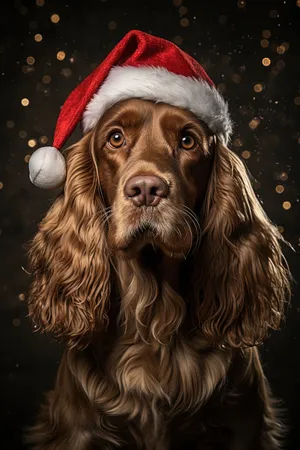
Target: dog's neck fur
[155, 342]
[170, 270]
[152, 306]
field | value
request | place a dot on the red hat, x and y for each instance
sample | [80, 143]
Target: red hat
[140, 66]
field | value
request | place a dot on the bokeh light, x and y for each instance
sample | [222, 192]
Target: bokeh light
[264, 43]
[38, 37]
[258, 87]
[55, 18]
[32, 143]
[297, 101]
[246, 154]
[30, 60]
[61, 55]
[254, 123]
[286, 205]
[184, 22]
[266, 62]
[25, 102]
[241, 3]
[112, 25]
[46, 79]
[266, 34]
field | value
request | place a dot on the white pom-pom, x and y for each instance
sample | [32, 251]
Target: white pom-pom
[47, 168]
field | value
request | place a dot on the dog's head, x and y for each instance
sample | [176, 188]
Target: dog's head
[153, 162]
[153, 174]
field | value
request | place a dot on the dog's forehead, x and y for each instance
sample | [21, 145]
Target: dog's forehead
[138, 111]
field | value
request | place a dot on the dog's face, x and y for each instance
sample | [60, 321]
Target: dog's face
[154, 163]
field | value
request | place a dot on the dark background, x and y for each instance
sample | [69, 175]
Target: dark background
[231, 39]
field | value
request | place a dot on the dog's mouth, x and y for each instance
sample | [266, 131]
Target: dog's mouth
[164, 230]
[146, 238]
[144, 232]
[142, 235]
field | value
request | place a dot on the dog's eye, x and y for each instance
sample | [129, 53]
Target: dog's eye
[116, 139]
[187, 142]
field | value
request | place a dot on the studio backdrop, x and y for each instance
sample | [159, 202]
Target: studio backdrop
[250, 48]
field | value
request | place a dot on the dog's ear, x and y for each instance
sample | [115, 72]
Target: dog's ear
[69, 256]
[242, 278]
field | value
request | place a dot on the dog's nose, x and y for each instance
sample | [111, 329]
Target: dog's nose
[146, 190]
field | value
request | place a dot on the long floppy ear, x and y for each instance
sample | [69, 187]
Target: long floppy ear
[242, 279]
[69, 257]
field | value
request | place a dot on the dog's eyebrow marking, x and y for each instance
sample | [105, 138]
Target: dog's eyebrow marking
[130, 118]
[177, 121]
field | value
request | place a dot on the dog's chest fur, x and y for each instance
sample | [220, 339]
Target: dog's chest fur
[158, 382]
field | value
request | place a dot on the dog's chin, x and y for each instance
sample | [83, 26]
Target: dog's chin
[146, 241]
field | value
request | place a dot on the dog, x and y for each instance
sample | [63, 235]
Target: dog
[162, 274]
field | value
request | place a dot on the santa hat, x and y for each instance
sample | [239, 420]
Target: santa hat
[140, 66]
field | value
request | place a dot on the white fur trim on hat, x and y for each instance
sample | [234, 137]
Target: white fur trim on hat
[47, 168]
[160, 85]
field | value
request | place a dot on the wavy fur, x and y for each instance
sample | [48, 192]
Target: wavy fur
[149, 366]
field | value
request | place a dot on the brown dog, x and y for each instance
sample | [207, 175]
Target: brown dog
[160, 269]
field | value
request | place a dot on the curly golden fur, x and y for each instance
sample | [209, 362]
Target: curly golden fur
[161, 308]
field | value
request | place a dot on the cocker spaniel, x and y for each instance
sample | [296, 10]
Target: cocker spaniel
[159, 268]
